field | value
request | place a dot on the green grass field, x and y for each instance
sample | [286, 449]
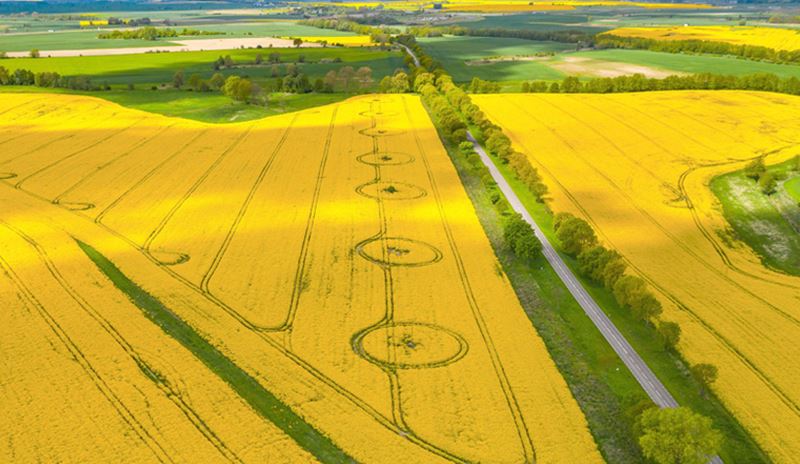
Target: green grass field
[156, 68]
[454, 52]
[692, 63]
[770, 225]
[540, 21]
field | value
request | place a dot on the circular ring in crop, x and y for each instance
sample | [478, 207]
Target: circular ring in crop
[169, 258]
[409, 345]
[398, 251]
[381, 132]
[76, 206]
[388, 190]
[379, 114]
[385, 158]
[7, 175]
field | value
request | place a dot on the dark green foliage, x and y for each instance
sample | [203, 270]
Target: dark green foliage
[670, 334]
[639, 83]
[631, 292]
[521, 238]
[575, 235]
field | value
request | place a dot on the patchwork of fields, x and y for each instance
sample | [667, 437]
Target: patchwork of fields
[320, 271]
[637, 166]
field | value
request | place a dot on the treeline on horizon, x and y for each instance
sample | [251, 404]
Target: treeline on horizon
[152, 33]
[750, 52]
[638, 83]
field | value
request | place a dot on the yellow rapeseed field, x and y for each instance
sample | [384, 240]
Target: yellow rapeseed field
[637, 166]
[769, 37]
[331, 254]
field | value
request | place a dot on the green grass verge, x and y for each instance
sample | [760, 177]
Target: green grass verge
[155, 68]
[757, 220]
[211, 107]
[249, 389]
[739, 446]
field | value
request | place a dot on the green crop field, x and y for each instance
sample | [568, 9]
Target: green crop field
[156, 68]
[537, 22]
[682, 63]
[455, 52]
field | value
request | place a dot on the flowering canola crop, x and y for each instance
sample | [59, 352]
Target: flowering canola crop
[637, 166]
[331, 254]
[769, 37]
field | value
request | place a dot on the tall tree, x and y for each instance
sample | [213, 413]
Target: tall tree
[678, 436]
[705, 374]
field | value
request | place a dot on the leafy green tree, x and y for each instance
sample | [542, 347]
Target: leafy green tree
[217, 81]
[677, 436]
[705, 374]
[194, 81]
[177, 80]
[669, 333]
[238, 88]
[466, 147]
[297, 42]
[592, 262]
[521, 238]
[575, 235]
[767, 183]
[631, 292]
[755, 169]
[34, 53]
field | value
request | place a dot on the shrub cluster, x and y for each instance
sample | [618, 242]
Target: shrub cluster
[46, 79]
